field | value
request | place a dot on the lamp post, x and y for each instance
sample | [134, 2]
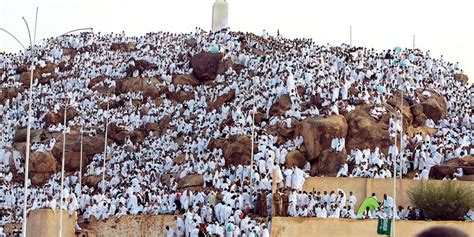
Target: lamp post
[28, 127]
[30, 98]
[105, 145]
[80, 161]
[62, 172]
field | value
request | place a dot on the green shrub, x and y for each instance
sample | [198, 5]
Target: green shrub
[449, 200]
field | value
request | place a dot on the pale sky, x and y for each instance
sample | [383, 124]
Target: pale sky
[440, 26]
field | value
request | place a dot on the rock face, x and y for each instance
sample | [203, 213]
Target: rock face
[43, 74]
[185, 80]
[20, 135]
[9, 93]
[140, 66]
[461, 78]
[281, 105]
[205, 65]
[223, 99]
[91, 146]
[295, 158]
[434, 106]
[56, 118]
[138, 84]
[191, 181]
[450, 167]
[122, 46]
[329, 163]
[319, 132]
[237, 150]
[42, 162]
[366, 132]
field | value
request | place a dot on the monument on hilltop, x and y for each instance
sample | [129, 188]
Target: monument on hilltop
[220, 15]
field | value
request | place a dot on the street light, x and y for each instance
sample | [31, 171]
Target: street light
[28, 127]
[105, 144]
[30, 98]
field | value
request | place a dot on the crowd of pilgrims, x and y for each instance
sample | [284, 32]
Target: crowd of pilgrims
[134, 172]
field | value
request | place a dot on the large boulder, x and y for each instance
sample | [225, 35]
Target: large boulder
[138, 84]
[42, 162]
[222, 99]
[56, 118]
[434, 105]
[20, 135]
[91, 146]
[461, 78]
[366, 132]
[39, 178]
[237, 150]
[329, 163]
[122, 46]
[72, 161]
[295, 158]
[192, 181]
[43, 74]
[450, 167]
[185, 80]
[205, 65]
[318, 133]
[140, 66]
[280, 106]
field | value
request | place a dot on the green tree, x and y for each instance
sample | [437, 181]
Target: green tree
[450, 200]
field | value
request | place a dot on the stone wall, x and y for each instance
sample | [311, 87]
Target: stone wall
[294, 226]
[362, 187]
[45, 223]
[129, 226]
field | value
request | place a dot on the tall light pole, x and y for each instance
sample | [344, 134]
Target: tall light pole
[28, 126]
[30, 98]
[253, 138]
[395, 161]
[62, 172]
[80, 161]
[105, 145]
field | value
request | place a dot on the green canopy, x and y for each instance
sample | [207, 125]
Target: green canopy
[398, 49]
[368, 202]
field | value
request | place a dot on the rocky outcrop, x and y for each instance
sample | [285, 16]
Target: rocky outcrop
[122, 46]
[280, 106]
[450, 167]
[222, 99]
[329, 163]
[43, 74]
[42, 162]
[237, 150]
[185, 80]
[295, 158]
[464, 79]
[91, 146]
[140, 66]
[192, 181]
[138, 84]
[364, 131]
[9, 93]
[434, 105]
[318, 133]
[56, 118]
[205, 65]
[20, 135]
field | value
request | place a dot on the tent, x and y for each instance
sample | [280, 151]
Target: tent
[368, 202]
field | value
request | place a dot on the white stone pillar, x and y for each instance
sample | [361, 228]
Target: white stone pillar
[220, 15]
